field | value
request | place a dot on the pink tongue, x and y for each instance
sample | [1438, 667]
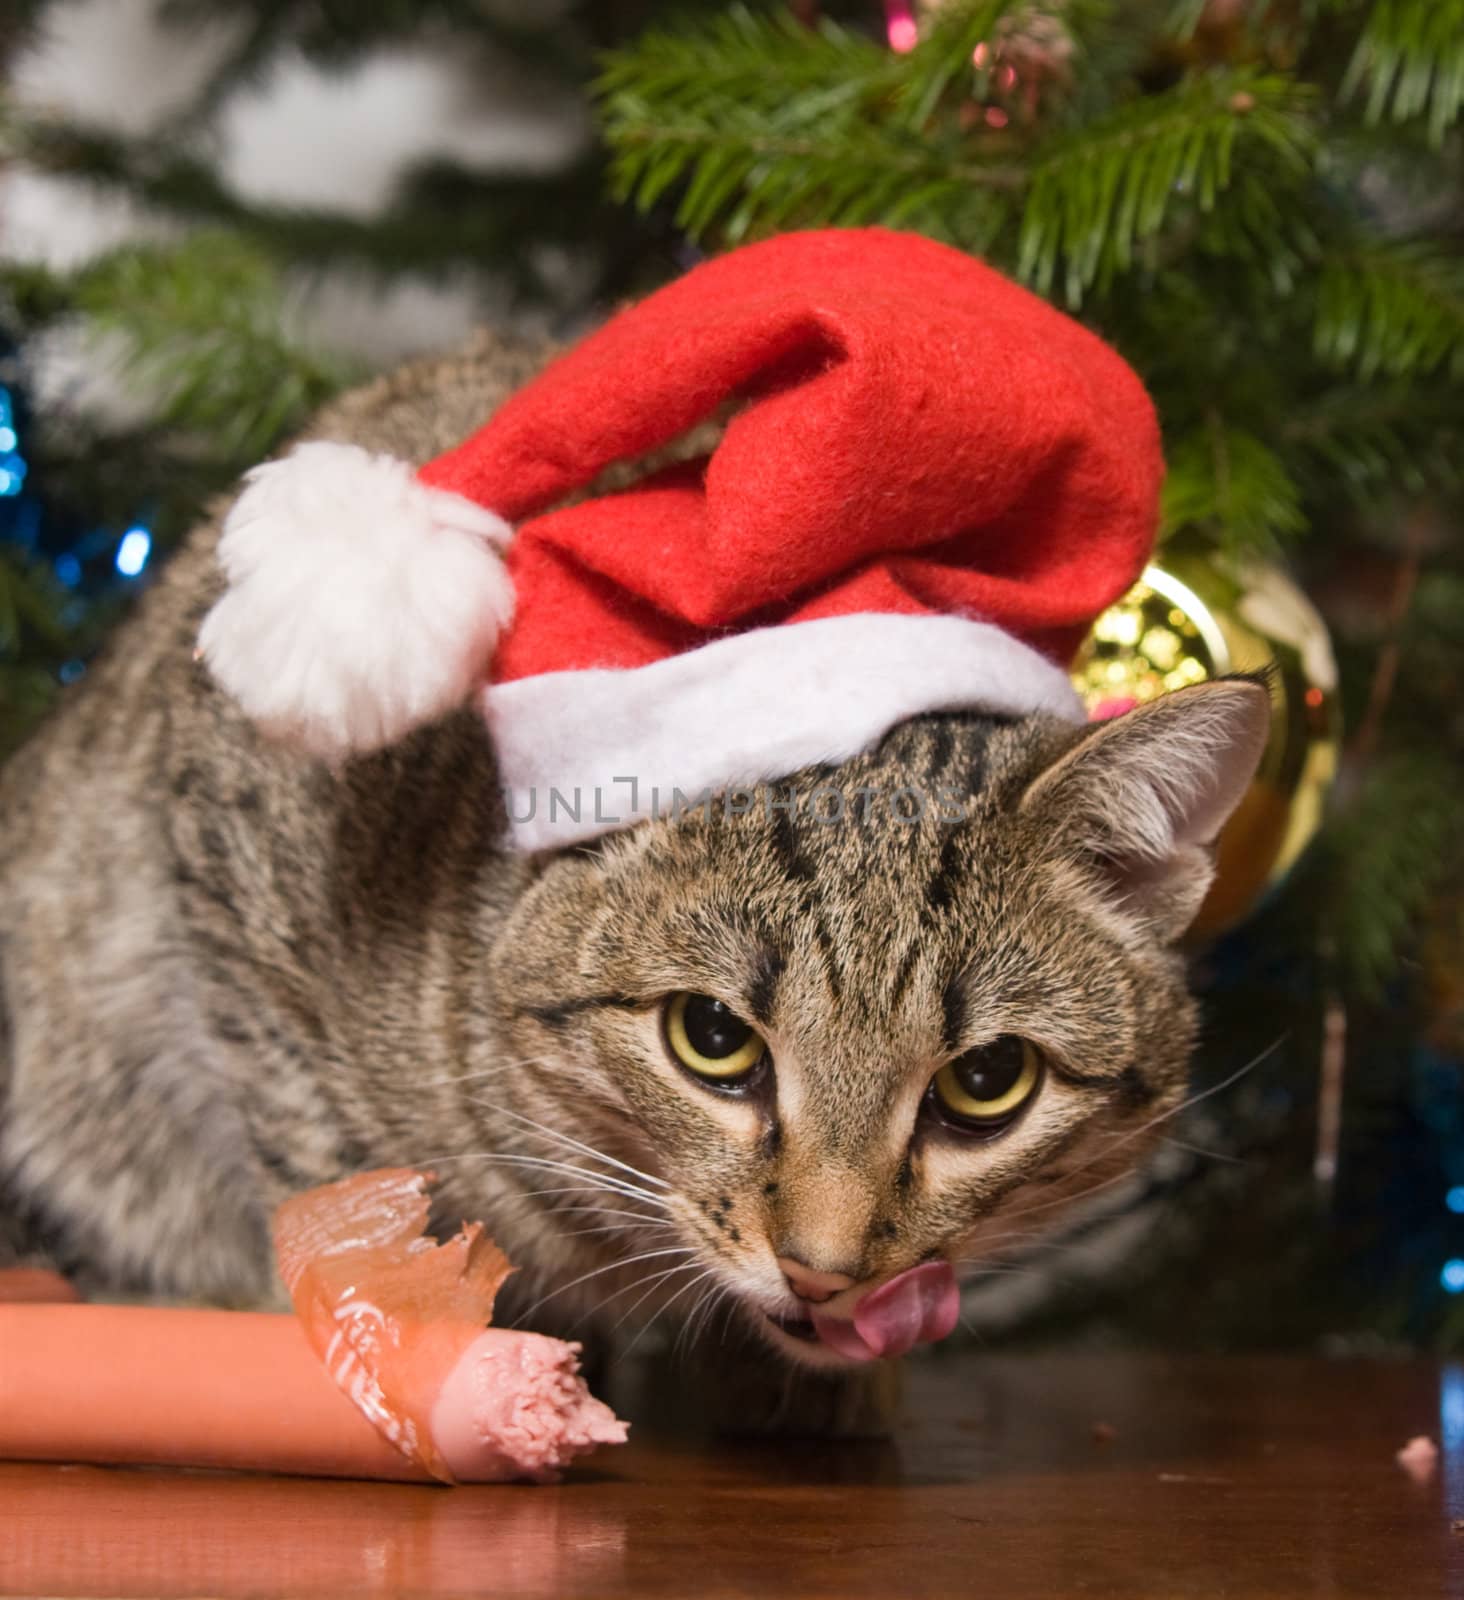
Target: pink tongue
[918, 1307]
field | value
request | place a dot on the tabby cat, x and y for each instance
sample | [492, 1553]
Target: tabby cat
[707, 1073]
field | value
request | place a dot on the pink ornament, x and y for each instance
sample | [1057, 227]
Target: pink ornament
[900, 27]
[1112, 708]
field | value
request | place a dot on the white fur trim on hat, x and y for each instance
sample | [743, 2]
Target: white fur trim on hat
[360, 604]
[580, 753]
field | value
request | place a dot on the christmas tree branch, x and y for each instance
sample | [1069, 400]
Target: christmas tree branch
[1395, 308]
[1410, 58]
[1370, 441]
[1096, 193]
[1225, 480]
[765, 124]
[961, 34]
[744, 180]
[1384, 857]
[204, 325]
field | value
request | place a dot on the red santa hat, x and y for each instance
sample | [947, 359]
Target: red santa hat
[930, 483]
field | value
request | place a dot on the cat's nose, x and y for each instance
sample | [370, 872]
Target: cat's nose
[815, 1287]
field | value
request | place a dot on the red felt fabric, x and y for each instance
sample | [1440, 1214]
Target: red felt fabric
[915, 433]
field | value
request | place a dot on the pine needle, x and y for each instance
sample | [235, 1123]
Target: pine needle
[1410, 60]
[1397, 842]
[1097, 194]
[203, 324]
[1226, 481]
[1393, 308]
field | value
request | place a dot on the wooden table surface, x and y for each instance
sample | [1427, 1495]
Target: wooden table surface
[1225, 1477]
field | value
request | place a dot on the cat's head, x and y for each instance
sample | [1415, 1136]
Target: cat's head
[897, 1012]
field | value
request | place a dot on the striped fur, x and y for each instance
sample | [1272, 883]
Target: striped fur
[227, 972]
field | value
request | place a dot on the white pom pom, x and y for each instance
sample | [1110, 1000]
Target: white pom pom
[360, 602]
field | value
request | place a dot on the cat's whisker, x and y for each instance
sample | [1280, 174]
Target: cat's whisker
[598, 1180]
[696, 1305]
[1119, 1140]
[727, 1299]
[1208, 1155]
[584, 1149]
[706, 1272]
[581, 1188]
[593, 1189]
[1205, 1094]
[1000, 1241]
[713, 1297]
[630, 1172]
[604, 1238]
[648, 1290]
[1125, 1176]
[476, 1075]
[609, 1266]
[646, 1285]
[622, 1221]
[995, 1269]
[682, 1344]
[729, 1315]
[604, 1211]
[606, 1229]
[1000, 1248]
[629, 1223]
[699, 1315]
[1007, 1269]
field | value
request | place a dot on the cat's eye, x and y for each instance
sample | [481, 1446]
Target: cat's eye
[982, 1090]
[709, 1039]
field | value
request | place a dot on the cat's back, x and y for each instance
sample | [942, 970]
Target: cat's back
[160, 862]
[69, 790]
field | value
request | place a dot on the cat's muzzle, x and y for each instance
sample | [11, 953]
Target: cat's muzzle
[918, 1306]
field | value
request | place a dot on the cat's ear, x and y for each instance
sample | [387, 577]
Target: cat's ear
[1145, 794]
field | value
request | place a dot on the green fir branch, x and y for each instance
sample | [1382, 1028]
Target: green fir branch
[768, 65]
[203, 325]
[1410, 60]
[823, 77]
[1099, 192]
[946, 52]
[1384, 859]
[1225, 481]
[1392, 308]
[763, 124]
[742, 180]
[1368, 443]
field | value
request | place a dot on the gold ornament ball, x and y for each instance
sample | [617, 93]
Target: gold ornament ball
[1201, 614]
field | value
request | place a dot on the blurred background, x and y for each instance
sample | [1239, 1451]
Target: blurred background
[213, 215]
